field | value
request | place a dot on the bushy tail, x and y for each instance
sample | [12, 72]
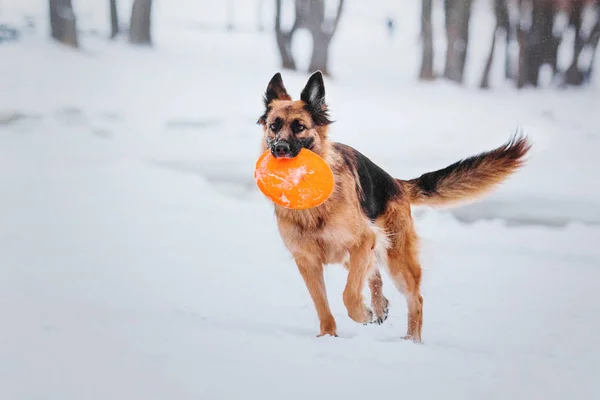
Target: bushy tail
[469, 178]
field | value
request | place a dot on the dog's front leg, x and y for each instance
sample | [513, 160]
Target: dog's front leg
[312, 272]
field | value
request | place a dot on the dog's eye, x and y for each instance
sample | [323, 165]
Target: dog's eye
[297, 128]
[276, 125]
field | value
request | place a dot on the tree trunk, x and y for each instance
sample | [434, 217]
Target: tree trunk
[114, 19]
[522, 62]
[538, 44]
[593, 47]
[63, 22]
[310, 14]
[427, 38]
[230, 15]
[318, 61]
[485, 79]
[322, 31]
[502, 23]
[510, 35]
[139, 30]
[284, 39]
[458, 13]
[574, 76]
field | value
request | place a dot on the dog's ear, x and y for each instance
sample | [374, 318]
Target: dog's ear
[313, 95]
[275, 91]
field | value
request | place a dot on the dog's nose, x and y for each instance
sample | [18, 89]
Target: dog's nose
[281, 149]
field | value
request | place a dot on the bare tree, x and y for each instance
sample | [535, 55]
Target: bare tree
[592, 45]
[458, 14]
[537, 42]
[310, 15]
[585, 39]
[502, 24]
[284, 39]
[322, 31]
[114, 19]
[573, 75]
[139, 30]
[230, 15]
[535, 26]
[63, 23]
[427, 39]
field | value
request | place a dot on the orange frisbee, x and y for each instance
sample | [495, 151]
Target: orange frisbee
[301, 182]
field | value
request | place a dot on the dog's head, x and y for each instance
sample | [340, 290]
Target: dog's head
[290, 125]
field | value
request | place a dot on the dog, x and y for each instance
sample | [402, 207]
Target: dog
[367, 221]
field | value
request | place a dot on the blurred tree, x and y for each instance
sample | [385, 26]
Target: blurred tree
[284, 39]
[322, 30]
[63, 23]
[585, 38]
[230, 15]
[538, 29]
[573, 75]
[537, 42]
[427, 38]
[533, 25]
[114, 19]
[310, 15]
[457, 17]
[458, 14]
[592, 45]
[139, 29]
[502, 24]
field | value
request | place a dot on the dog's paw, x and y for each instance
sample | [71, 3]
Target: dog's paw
[382, 313]
[385, 313]
[412, 338]
[370, 316]
[327, 334]
[376, 319]
[328, 328]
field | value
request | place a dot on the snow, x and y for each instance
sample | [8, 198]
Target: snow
[139, 260]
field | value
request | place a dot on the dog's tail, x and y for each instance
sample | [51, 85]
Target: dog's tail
[469, 178]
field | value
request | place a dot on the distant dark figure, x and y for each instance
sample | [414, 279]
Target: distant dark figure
[30, 22]
[391, 25]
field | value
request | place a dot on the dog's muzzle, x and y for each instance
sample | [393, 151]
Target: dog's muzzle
[282, 148]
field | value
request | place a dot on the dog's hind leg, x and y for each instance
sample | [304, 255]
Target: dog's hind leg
[379, 303]
[312, 273]
[405, 271]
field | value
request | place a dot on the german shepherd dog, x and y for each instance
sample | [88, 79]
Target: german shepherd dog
[367, 220]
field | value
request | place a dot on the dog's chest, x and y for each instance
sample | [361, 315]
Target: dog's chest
[326, 233]
[336, 242]
[335, 239]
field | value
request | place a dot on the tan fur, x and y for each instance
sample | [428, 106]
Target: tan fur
[289, 110]
[338, 231]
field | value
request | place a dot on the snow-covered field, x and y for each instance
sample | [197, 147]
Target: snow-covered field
[138, 260]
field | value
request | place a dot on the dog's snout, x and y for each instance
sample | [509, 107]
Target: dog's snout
[281, 149]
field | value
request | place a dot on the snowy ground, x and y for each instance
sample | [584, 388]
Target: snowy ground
[138, 260]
